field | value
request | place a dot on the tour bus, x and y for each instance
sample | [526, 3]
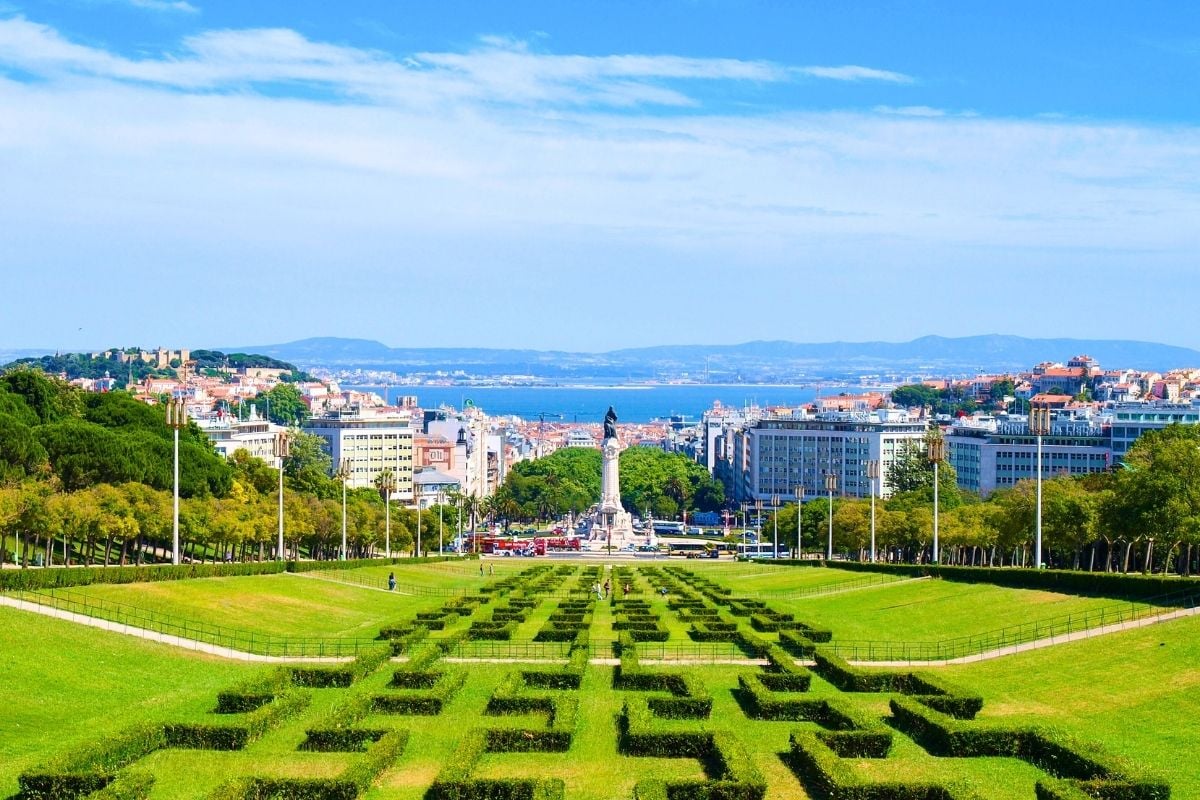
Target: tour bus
[693, 549]
[762, 551]
[664, 528]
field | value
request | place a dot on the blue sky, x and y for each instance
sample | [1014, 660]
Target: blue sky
[593, 176]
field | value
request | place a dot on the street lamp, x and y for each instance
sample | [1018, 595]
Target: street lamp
[282, 449]
[1039, 426]
[799, 522]
[387, 485]
[873, 476]
[937, 454]
[441, 543]
[775, 523]
[176, 419]
[343, 472]
[831, 482]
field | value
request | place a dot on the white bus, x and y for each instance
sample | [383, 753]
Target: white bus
[762, 551]
[664, 528]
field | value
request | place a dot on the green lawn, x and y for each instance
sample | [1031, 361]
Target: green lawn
[288, 605]
[62, 685]
[931, 610]
[1137, 691]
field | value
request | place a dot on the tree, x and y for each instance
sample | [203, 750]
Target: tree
[1157, 493]
[914, 395]
[307, 466]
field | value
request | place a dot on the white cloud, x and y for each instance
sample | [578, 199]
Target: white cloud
[855, 73]
[504, 172]
[911, 111]
[165, 5]
[500, 70]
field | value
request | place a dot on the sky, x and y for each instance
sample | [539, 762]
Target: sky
[592, 176]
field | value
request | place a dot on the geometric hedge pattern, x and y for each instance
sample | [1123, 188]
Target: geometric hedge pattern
[666, 712]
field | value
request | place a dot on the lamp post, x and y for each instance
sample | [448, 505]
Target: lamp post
[799, 522]
[417, 494]
[775, 523]
[831, 482]
[176, 419]
[441, 543]
[937, 454]
[282, 449]
[387, 485]
[873, 476]
[343, 472]
[1039, 426]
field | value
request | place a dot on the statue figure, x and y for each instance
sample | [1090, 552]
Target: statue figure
[610, 424]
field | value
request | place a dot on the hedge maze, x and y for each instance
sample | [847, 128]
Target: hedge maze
[769, 700]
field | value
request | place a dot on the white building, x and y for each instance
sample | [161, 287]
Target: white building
[784, 452]
[988, 454]
[369, 445]
[256, 436]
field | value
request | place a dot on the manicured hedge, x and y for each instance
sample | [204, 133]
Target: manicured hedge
[732, 773]
[932, 691]
[128, 785]
[46, 578]
[827, 775]
[428, 702]
[235, 731]
[347, 786]
[343, 675]
[1099, 773]
[91, 767]
[486, 630]
[851, 732]
[687, 697]
[254, 692]
[454, 782]
[1098, 584]
[797, 643]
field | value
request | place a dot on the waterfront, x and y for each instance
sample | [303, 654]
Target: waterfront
[588, 403]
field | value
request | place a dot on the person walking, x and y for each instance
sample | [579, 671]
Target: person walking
[481, 569]
[391, 581]
[606, 587]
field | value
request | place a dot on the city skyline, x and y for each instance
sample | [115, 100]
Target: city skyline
[593, 179]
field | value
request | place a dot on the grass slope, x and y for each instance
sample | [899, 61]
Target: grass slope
[932, 610]
[62, 685]
[1137, 691]
[289, 605]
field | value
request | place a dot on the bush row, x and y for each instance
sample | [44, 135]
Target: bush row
[454, 782]
[128, 785]
[343, 675]
[19, 579]
[927, 689]
[687, 697]
[42, 578]
[826, 775]
[426, 702]
[731, 771]
[489, 630]
[236, 730]
[851, 732]
[782, 673]
[1099, 584]
[1099, 773]
[91, 767]
[347, 786]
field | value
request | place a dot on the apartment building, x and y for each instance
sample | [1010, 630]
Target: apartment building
[369, 444]
[989, 454]
[786, 451]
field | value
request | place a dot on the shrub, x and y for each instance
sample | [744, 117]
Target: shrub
[235, 734]
[92, 767]
[428, 703]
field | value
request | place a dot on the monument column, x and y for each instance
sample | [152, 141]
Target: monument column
[615, 519]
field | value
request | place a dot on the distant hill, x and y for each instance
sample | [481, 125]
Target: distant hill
[751, 361]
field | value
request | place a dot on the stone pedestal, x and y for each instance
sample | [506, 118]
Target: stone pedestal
[612, 521]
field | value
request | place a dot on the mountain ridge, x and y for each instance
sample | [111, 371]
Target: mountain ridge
[758, 359]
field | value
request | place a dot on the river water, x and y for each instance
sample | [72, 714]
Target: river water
[588, 403]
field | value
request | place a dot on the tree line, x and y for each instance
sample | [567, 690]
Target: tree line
[87, 479]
